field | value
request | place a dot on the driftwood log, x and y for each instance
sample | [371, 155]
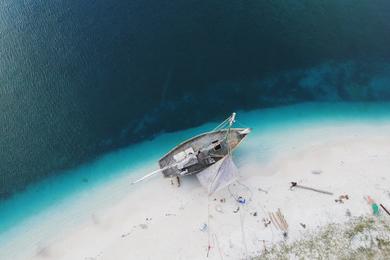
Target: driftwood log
[295, 185]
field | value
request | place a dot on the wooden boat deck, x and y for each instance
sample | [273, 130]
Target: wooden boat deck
[208, 148]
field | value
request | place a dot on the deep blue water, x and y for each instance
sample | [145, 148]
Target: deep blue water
[79, 78]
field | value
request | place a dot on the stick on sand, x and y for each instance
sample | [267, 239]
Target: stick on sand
[383, 207]
[316, 190]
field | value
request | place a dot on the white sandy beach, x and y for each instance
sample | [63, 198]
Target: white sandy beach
[158, 221]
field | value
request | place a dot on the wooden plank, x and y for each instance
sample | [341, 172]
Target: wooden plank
[283, 220]
[273, 220]
[278, 222]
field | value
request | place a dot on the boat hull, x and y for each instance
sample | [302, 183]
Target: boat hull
[205, 150]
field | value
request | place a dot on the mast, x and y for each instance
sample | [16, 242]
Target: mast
[232, 119]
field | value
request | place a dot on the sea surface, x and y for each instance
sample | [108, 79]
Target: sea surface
[44, 211]
[79, 79]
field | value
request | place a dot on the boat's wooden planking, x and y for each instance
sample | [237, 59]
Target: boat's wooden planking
[216, 144]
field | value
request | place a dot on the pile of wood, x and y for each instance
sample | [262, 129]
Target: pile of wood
[279, 221]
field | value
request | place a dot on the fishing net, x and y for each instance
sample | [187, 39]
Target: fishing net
[218, 175]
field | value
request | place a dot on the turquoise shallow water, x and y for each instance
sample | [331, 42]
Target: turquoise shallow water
[73, 192]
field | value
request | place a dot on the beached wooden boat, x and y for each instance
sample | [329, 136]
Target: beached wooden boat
[202, 151]
[207, 155]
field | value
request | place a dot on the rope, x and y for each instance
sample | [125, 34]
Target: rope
[246, 187]
[221, 124]
[225, 122]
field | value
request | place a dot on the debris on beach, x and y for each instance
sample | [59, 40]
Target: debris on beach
[348, 213]
[208, 250]
[265, 248]
[143, 226]
[342, 198]
[130, 232]
[126, 234]
[266, 222]
[218, 208]
[265, 191]
[169, 214]
[293, 184]
[302, 225]
[236, 210]
[316, 172]
[241, 200]
[296, 185]
[203, 227]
